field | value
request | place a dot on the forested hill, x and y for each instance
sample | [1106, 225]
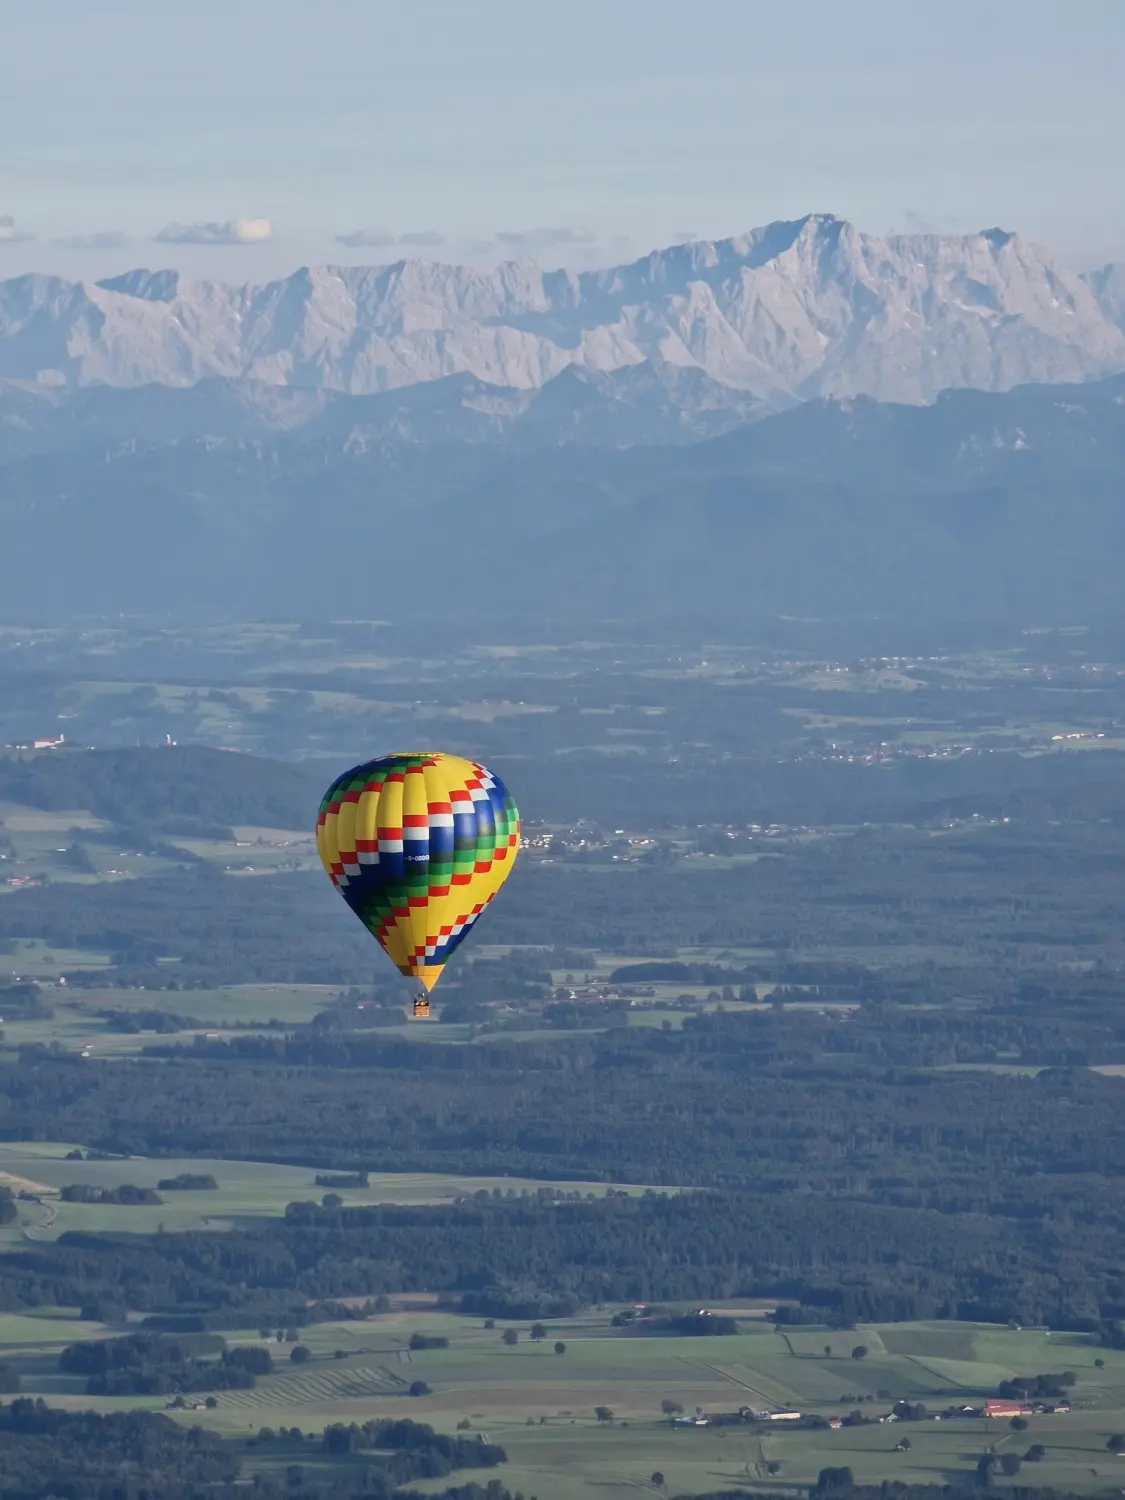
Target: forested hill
[173, 789]
[164, 788]
[838, 1207]
[982, 506]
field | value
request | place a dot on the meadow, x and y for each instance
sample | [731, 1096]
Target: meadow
[540, 1405]
[246, 1191]
[79, 1024]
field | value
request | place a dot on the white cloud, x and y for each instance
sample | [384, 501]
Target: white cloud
[384, 239]
[422, 239]
[230, 232]
[546, 238]
[9, 234]
[105, 239]
[362, 239]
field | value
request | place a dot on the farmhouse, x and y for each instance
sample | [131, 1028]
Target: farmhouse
[1005, 1409]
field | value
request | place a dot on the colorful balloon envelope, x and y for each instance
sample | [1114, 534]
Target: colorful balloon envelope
[418, 844]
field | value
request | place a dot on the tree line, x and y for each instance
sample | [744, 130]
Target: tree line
[826, 1261]
[46, 1452]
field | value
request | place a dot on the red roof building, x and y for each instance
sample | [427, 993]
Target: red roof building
[1004, 1409]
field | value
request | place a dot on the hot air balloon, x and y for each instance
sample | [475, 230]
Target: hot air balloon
[418, 844]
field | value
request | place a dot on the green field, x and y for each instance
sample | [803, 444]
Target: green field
[227, 1005]
[246, 1191]
[78, 1025]
[502, 1390]
[540, 1405]
[33, 844]
[77, 1022]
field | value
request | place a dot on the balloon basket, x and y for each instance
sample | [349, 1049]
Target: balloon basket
[421, 1010]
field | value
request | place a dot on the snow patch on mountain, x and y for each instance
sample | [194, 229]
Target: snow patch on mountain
[787, 312]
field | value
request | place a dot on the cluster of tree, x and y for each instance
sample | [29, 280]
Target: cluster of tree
[668, 970]
[133, 1022]
[1063, 1024]
[967, 1173]
[25, 1000]
[545, 1109]
[536, 1257]
[417, 1451]
[910, 1411]
[169, 789]
[347, 1015]
[520, 976]
[1057, 1026]
[1112, 1332]
[689, 1325]
[1036, 1387]
[282, 932]
[342, 1179]
[152, 1364]
[518, 1301]
[1008, 1464]
[125, 1194]
[566, 1015]
[803, 1314]
[840, 1483]
[188, 1182]
[48, 1452]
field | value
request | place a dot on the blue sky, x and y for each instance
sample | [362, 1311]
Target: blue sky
[585, 131]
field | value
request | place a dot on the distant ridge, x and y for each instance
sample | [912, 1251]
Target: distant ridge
[648, 403]
[978, 506]
[787, 312]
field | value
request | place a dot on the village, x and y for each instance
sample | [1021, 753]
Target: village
[902, 1411]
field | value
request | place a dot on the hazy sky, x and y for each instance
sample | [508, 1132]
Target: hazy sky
[614, 124]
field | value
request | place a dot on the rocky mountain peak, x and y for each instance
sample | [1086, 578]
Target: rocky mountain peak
[149, 286]
[787, 311]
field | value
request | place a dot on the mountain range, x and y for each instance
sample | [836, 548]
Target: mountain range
[789, 312]
[650, 403]
[979, 505]
[804, 420]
